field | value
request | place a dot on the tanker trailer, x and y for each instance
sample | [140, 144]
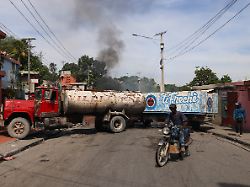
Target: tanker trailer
[112, 109]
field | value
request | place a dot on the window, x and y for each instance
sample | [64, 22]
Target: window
[53, 96]
[38, 94]
[47, 94]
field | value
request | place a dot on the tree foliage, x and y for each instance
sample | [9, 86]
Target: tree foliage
[17, 49]
[95, 72]
[87, 70]
[135, 83]
[53, 71]
[225, 78]
[204, 76]
[108, 83]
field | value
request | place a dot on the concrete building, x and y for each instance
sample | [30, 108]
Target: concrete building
[66, 78]
[2, 73]
[11, 68]
[34, 79]
[229, 94]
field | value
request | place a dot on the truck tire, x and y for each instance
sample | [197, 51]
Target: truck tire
[117, 124]
[19, 128]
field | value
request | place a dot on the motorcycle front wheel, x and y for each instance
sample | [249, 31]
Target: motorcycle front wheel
[162, 155]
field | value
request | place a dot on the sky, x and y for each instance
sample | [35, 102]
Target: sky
[103, 29]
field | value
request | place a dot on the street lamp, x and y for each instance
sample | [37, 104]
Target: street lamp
[162, 87]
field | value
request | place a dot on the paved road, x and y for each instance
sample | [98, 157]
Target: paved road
[125, 159]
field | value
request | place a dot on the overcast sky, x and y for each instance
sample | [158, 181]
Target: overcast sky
[99, 27]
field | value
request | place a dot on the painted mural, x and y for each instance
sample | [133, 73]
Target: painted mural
[186, 101]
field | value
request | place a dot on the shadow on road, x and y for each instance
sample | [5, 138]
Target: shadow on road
[222, 184]
[56, 133]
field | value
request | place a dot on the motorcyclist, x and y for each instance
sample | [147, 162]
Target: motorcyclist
[179, 119]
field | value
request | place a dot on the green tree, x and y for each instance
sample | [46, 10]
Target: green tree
[87, 70]
[53, 72]
[171, 88]
[204, 76]
[38, 66]
[17, 49]
[148, 85]
[135, 83]
[108, 83]
[129, 83]
[225, 78]
[72, 67]
[184, 88]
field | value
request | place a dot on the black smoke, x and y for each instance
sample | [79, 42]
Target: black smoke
[102, 14]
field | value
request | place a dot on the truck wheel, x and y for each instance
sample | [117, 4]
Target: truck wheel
[117, 124]
[19, 128]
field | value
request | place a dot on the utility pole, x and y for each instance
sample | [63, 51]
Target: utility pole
[29, 51]
[162, 85]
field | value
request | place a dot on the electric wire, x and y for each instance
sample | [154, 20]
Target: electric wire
[219, 28]
[41, 26]
[206, 25]
[7, 30]
[182, 46]
[35, 28]
[50, 30]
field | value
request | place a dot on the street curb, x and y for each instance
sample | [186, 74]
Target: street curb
[14, 152]
[230, 138]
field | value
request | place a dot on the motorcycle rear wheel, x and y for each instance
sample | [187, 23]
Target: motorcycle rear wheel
[162, 155]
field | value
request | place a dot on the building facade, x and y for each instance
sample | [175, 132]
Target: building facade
[228, 95]
[239, 93]
[10, 67]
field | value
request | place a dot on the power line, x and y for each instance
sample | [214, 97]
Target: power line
[36, 29]
[241, 10]
[7, 30]
[50, 30]
[182, 46]
[41, 26]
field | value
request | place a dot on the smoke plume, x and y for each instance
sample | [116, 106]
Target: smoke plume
[112, 46]
[103, 14]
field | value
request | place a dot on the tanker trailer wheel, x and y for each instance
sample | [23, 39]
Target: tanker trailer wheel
[18, 128]
[117, 124]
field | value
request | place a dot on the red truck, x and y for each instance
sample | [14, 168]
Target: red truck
[51, 107]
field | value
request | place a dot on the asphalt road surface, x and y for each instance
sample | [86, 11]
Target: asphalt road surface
[103, 159]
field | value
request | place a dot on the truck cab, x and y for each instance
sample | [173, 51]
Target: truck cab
[21, 116]
[46, 102]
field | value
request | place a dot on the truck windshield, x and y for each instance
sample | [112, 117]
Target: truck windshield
[38, 94]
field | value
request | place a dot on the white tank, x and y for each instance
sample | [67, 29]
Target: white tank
[93, 102]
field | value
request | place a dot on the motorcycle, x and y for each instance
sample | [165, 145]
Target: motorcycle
[169, 145]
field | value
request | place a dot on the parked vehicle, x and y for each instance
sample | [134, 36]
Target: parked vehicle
[52, 107]
[196, 105]
[169, 145]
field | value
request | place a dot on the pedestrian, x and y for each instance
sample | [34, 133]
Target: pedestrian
[239, 116]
